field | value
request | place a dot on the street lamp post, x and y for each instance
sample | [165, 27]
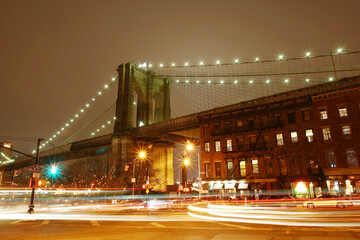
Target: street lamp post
[186, 162]
[133, 179]
[141, 155]
[33, 182]
[190, 148]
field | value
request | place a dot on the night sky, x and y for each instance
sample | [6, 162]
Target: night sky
[54, 55]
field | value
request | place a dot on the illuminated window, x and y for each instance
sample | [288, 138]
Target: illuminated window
[239, 123]
[351, 156]
[279, 139]
[207, 147]
[230, 168]
[207, 170]
[306, 115]
[228, 145]
[243, 168]
[294, 137]
[346, 130]
[343, 112]
[323, 114]
[255, 166]
[326, 133]
[309, 135]
[217, 146]
[331, 159]
[217, 169]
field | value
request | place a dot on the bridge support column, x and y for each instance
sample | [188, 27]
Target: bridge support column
[121, 148]
[162, 167]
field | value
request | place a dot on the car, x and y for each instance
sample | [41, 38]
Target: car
[327, 201]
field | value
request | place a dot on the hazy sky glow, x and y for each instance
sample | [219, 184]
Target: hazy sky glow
[55, 55]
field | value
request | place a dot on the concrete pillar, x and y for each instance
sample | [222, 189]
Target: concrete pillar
[162, 168]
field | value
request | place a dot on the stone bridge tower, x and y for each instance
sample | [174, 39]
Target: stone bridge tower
[143, 99]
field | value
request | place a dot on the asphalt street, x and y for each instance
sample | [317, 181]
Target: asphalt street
[162, 224]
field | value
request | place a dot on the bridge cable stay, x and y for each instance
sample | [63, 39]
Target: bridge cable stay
[63, 131]
[70, 138]
[199, 88]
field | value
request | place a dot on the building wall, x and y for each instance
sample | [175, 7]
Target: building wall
[289, 162]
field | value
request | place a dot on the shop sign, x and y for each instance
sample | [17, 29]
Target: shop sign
[243, 186]
[218, 186]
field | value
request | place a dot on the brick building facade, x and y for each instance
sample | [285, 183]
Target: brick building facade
[310, 135]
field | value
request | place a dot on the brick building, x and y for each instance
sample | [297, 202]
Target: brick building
[310, 135]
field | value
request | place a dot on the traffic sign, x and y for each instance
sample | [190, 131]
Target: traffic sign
[133, 180]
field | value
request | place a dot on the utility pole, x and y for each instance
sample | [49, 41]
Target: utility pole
[34, 177]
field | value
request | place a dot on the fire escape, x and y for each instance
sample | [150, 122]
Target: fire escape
[244, 151]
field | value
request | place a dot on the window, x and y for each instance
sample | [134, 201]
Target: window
[283, 169]
[207, 170]
[294, 137]
[217, 146]
[228, 127]
[346, 130]
[206, 130]
[243, 168]
[309, 135]
[277, 119]
[240, 142]
[330, 156]
[266, 141]
[239, 123]
[251, 123]
[351, 157]
[252, 140]
[291, 117]
[279, 139]
[216, 128]
[217, 169]
[343, 111]
[255, 166]
[228, 145]
[306, 115]
[326, 133]
[264, 121]
[323, 114]
[207, 147]
[230, 168]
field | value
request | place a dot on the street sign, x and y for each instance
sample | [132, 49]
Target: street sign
[133, 180]
[147, 191]
[36, 175]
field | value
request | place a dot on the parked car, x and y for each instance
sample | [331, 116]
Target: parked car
[327, 201]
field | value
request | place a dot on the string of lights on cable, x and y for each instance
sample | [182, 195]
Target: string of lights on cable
[77, 115]
[280, 57]
[103, 126]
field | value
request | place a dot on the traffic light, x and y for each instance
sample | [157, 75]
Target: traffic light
[54, 170]
[41, 182]
[16, 173]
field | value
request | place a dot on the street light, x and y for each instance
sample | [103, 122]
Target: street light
[140, 155]
[190, 148]
[185, 163]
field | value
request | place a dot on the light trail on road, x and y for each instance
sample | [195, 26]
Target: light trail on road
[240, 214]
